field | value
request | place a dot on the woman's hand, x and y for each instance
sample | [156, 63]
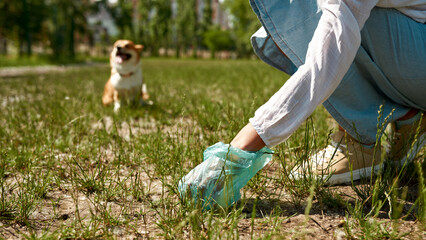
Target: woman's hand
[248, 139]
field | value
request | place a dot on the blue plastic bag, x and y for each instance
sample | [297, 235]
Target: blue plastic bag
[224, 171]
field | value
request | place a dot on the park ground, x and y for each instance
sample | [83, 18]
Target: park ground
[72, 169]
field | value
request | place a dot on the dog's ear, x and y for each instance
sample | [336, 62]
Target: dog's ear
[139, 47]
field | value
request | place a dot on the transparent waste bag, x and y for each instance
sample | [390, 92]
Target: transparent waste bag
[221, 175]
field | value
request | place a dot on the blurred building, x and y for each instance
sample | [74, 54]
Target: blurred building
[101, 23]
[219, 16]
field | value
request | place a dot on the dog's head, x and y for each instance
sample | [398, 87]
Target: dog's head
[125, 54]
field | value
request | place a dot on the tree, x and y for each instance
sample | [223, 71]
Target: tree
[205, 24]
[122, 14]
[6, 29]
[218, 40]
[157, 27]
[186, 25]
[244, 22]
[23, 21]
[156, 24]
[67, 18]
[161, 24]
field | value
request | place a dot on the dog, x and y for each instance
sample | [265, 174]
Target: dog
[125, 84]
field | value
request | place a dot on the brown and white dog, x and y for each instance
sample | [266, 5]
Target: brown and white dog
[125, 84]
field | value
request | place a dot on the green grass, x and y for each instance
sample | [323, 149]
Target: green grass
[71, 168]
[44, 60]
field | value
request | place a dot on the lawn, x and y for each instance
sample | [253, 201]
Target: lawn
[71, 168]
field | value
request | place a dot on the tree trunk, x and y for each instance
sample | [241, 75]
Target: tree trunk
[26, 28]
[3, 45]
[71, 50]
[177, 54]
[194, 48]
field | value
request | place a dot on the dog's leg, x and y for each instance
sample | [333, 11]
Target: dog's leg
[145, 96]
[108, 96]
[117, 106]
[144, 92]
[117, 102]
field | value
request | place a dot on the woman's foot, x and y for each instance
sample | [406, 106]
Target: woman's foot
[409, 136]
[344, 161]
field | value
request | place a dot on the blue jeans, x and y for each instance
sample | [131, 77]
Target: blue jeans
[389, 69]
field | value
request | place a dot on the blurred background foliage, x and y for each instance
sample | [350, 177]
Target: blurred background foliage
[64, 31]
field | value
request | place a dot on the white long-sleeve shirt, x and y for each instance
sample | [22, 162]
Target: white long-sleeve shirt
[329, 56]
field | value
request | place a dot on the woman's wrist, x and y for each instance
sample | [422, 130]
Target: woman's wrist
[248, 139]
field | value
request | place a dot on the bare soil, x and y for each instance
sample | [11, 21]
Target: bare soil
[76, 207]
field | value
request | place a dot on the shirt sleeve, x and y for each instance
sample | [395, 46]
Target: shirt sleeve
[329, 56]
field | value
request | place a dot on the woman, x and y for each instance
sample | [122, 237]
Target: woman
[355, 57]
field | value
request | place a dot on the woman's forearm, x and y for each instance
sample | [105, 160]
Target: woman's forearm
[248, 139]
